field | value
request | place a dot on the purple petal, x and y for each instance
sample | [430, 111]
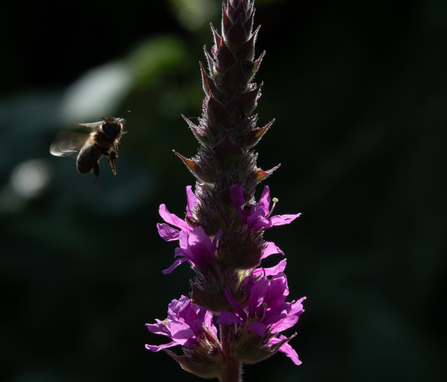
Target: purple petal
[156, 348]
[166, 232]
[237, 307]
[218, 235]
[291, 319]
[200, 249]
[158, 328]
[264, 201]
[237, 196]
[283, 219]
[228, 318]
[191, 201]
[208, 321]
[257, 220]
[173, 219]
[272, 271]
[181, 332]
[279, 288]
[257, 294]
[287, 350]
[183, 238]
[248, 282]
[270, 249]
[176, 307]
[276, 314]
[258, 328]
[174, 265]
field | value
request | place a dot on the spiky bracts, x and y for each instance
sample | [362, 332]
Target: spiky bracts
[227, 132]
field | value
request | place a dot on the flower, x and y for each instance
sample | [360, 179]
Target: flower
[258, 216]
[195, 247]
[268, 314]
[167, 232]
[191, 327]
[187, 325]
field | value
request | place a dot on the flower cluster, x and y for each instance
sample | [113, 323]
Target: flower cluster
[221, 236]
[266, 315]
[259, 319]
[187, 324]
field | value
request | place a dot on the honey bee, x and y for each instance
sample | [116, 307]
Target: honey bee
[102, 141]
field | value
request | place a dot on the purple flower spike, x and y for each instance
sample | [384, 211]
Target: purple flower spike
[185, 324]
[221, 235]
[258, 216]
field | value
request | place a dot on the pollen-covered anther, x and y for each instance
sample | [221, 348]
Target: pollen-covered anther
[274, 200]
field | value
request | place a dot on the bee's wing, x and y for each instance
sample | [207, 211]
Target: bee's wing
[92, 125]
[67, 143]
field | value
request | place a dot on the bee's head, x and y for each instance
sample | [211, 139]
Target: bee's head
[112, 127]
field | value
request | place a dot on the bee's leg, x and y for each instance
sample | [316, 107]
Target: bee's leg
[96, 171]
[112, 156]
[115, 147]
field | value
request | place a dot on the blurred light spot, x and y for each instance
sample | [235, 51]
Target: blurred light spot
[194, 13]
[29, 178]
[154, 58]
[97, 93]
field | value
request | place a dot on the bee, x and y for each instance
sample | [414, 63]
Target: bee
[102, 141]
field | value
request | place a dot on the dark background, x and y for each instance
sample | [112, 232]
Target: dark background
[358, 90]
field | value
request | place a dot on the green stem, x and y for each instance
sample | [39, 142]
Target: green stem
[232, 367]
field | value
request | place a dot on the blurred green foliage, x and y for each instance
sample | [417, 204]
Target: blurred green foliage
[359, 94]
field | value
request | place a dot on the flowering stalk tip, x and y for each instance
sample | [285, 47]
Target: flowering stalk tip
[222, 234]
